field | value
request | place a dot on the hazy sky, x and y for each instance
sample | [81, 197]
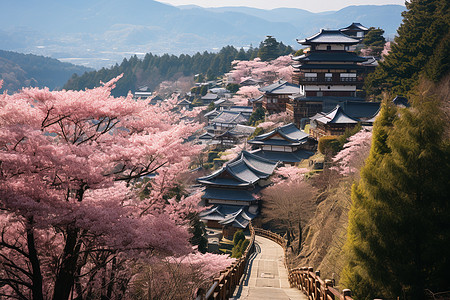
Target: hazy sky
[311, 5]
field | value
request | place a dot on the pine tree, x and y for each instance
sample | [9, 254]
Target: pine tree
[269, 49]
[421, 36]
[399, 225]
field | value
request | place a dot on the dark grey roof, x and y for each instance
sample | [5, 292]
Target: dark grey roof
[229, 194]
[230, 117]
[243, 109]
[355, 26]
[327, 36]
[237, 216]
[359, 110]
[287, 157]
[330, 56]
[245, 170]
[337, 116]
[291, 134]
[184, 102]
[281, 87]
[328, 66]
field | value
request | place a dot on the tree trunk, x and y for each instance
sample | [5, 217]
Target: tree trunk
[300, 236]
[66, 274]
[36, 289]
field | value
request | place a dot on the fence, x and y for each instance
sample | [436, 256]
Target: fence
[223, 286]
[304, 279]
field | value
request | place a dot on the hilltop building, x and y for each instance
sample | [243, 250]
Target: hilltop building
[356, 30]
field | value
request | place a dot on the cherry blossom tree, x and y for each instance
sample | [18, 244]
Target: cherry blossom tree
[266, 71]
[351, 158]
[71, 224]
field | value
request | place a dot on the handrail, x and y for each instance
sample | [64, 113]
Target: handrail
[305, 279]
[223, 286]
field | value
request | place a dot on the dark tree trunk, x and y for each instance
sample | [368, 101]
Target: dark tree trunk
[66, 274]
[300, 236]
[36, 289]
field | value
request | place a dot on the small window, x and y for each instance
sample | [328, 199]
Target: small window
[328, 47]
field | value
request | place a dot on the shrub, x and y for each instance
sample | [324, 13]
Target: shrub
[329, 145]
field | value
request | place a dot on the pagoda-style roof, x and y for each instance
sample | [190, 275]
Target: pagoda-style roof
[229, 194]
[250, 81]
[329, 56]
[237, 216]
[327, 66]
[281, 87]
[287, 135]
[328, 36]
[184, 102]
[245, 170]
[285, 157]
[229, 117]
[354, 27]
[360, 109]
[336, 116]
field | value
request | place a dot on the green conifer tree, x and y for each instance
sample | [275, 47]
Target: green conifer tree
[399, 225]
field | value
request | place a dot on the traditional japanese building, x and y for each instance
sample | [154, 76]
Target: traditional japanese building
[356, 30]
[329, 72]
[232, 190]
[276, 95]
[226, 120]
[287, 144]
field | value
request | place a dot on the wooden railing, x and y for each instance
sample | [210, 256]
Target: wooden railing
[223, 286]
[305, 279]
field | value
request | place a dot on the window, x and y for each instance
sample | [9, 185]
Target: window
[328, 76]
[328, 48]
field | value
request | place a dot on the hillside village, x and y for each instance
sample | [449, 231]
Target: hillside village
[258, 173]
[322, 98]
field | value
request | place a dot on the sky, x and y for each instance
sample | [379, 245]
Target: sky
[311, 5]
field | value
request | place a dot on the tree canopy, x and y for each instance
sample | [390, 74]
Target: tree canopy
[421, 47]
[399, 230]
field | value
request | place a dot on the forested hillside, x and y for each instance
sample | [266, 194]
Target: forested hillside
[19, 70]
[153, 69]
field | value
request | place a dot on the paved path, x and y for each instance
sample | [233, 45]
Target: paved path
[266, 277]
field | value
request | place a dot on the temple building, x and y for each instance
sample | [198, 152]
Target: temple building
[356, 30]
[232, 190]
[328, 74]
[286, 143]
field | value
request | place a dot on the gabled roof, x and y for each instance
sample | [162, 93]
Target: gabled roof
[223, 101]
[337, 116]
[245, 170]
[242, 109]
[230, 117]
[290, 133]
[243, 130]
[214, 113]
[355, 26]
[327, 56]
[206, 136]
[281, 87]
[249, 80]
[328, 36]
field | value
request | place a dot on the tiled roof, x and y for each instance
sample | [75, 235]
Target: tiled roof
[337, 116]
[245, 170]
[210, 96]
[237, 216]
[228, 194]
[327, 36]
[331, 56]
[287, 157]
[230, 117]
[291, 134]
[281, 87]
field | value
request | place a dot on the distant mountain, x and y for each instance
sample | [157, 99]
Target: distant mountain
[19, 70]
[102, 32]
